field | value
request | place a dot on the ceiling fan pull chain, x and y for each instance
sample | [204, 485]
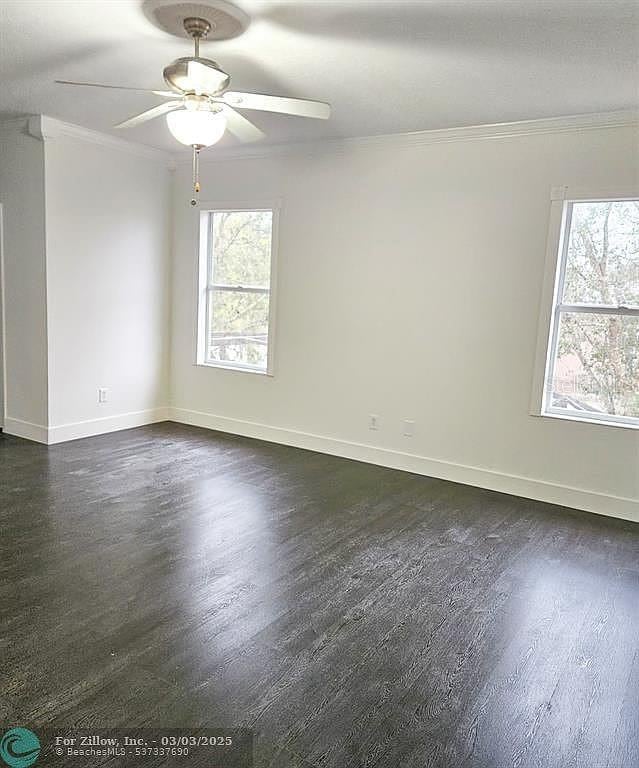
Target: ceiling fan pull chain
[196, 175]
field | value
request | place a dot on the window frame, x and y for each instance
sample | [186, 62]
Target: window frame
[204, 222]
[551, 308]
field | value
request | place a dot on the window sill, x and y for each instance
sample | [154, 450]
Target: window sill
[586, 420]
[240, 368]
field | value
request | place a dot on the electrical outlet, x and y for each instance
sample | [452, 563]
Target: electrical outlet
[408, 427]
[103, 394]
[373, 421]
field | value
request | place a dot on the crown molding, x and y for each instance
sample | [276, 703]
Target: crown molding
[41, 127]
[398, 141]
[48, 128]
[14, 124]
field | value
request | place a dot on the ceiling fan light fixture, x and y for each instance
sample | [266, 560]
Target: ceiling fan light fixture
[196, 128]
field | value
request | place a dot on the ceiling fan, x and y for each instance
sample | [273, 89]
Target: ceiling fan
[200, 107]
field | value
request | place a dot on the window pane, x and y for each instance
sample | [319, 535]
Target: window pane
[241, 248]
[602, 265]
[238, 327]
[597, 365]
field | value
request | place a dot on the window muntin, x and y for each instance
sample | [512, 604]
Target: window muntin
[593, 362]
[238, 289]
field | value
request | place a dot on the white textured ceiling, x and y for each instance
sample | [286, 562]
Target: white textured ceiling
[385, 67]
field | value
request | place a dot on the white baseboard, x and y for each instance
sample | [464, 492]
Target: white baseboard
[64, 432]
[540, 490]
[25, 429]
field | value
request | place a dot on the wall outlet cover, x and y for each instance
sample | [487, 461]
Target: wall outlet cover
[408, 426]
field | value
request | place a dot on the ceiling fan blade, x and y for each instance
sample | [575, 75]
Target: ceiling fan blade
[169, 94]
[299, 107]
[240, 127]
[161, 109]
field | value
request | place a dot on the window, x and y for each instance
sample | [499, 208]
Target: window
[236, 275]
[592, 365]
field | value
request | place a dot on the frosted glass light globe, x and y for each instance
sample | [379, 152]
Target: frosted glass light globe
[199, 127]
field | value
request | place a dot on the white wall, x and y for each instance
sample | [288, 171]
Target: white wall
[108, 250]
[409, 286]
[22, 199]
[87, 239]
[409, 282]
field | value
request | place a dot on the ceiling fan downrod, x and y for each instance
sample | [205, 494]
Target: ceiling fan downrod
[197, 28]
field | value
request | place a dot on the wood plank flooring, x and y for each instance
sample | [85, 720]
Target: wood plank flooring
[352, 615]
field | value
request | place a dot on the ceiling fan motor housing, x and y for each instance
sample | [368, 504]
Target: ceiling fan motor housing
[176, 75]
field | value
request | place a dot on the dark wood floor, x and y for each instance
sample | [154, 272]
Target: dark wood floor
[352, 615]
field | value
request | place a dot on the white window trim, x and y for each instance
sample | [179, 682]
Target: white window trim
[202, 283]
[552, 287]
